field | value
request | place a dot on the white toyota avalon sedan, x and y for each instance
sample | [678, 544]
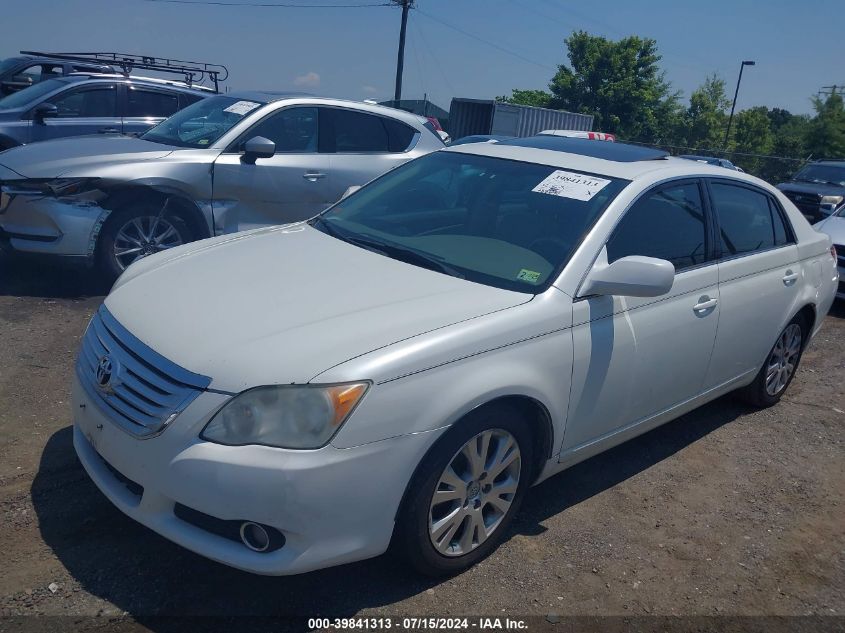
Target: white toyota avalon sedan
[402, 368]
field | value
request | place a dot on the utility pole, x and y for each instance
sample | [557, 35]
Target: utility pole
[400, 60]
[731, 118]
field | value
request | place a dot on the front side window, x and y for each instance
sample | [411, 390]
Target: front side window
[292, 130]
[747, 221]
[150, 103]
[667, 224]
[494, 221]
[30, 96]
[202, 123]
[89, 102]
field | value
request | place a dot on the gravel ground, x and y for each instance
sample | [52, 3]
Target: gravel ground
[727, 511]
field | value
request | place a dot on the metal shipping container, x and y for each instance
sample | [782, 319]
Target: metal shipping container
[482, 116]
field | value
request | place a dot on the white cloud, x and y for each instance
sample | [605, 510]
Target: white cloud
[308, 80]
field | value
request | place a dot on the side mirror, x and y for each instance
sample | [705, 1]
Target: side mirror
[633, 276]
[43, 111]
[257, 147]
[349, 191]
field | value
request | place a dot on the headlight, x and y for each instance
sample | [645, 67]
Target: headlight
[285, 416]
[832, 200]
[57, 186]
[70, 186]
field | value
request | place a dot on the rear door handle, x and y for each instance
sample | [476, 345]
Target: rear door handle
[312, 176]
[705, 303]
[789, 278]
[108, 130]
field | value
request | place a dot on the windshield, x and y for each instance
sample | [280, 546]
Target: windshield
[8, 64]
[499, 222]
[27, 96]
[828, 174]
[202, 123]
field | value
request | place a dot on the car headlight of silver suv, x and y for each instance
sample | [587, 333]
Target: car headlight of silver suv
[285, 416]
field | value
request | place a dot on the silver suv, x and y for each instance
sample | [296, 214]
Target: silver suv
[224, 164]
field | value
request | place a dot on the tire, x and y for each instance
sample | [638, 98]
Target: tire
[779, 369]
[470, 502]
[145, 227]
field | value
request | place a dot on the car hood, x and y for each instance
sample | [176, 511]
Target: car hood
[835, 227]
[52, 159]
[817, 188]
[282, 305]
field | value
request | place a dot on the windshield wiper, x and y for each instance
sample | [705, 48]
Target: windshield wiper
[407, 255]
[395, 251]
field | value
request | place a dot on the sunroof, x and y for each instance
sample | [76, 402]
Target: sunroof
[620, 152]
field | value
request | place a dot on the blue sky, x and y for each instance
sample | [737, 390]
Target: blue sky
[351, 52]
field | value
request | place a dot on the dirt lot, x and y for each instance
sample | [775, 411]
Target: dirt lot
[726, 511]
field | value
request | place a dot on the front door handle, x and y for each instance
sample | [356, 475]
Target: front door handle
[704, 304]
[789, 278]
[313, 176]
[108, 130]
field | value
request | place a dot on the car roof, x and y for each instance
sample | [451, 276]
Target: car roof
[264, 96]
[134, 79]
[617, 160]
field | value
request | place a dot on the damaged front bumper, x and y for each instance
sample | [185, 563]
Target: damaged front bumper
[55, 217]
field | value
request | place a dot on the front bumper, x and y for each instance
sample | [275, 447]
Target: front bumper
[332, 505]
[37, 223]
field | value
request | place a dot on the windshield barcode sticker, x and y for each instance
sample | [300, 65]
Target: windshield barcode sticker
[567, 184]
[242, 107]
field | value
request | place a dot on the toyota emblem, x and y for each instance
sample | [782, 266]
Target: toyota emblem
[105, 370]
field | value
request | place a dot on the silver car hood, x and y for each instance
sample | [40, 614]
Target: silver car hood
[52, 159]
[834, 226]
[282, 305]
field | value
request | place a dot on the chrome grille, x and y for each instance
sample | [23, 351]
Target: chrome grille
[136, 387]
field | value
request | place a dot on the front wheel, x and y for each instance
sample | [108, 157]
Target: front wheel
[137, 231]
[466, 492]
[777, 372]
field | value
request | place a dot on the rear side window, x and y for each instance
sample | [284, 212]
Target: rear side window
[150, 103]
[91, 102]
[668, 224]
[351, 131]
[747, 220]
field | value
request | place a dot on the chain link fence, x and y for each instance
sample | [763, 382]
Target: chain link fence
[773, 169]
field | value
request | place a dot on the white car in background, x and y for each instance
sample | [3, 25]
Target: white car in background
[834, 226]
[404, 366]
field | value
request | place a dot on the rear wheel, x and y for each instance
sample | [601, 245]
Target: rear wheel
[466, 492]
[777, 372]
[136, 231]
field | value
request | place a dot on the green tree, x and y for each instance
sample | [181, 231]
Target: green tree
[618, 82]
[706, 118]
[752, 134]
[537, 98]
[826, 133]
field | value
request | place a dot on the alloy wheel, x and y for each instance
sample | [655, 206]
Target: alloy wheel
[144, 235]
[782, 360]
[475, 492]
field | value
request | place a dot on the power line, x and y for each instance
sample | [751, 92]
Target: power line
[282, 5]
[483, 41]
[434, 58]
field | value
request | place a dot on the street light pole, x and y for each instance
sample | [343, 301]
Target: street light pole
[733, 106]
[400, 60]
